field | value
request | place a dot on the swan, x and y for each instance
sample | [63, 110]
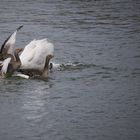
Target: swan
[36, 56]
[33, 60]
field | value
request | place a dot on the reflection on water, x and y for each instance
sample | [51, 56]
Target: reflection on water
[34, 104]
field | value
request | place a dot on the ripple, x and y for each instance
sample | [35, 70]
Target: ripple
[73, 66]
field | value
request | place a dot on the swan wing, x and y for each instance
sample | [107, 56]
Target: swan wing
[28, 54]
[7, 46]
[5, 65]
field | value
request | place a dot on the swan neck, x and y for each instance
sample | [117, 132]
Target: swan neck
[16, 56]
[46, 67]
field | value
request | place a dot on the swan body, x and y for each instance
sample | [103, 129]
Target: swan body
[35, 53]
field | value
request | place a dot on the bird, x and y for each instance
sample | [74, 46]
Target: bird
[36, 56]
[33, 59]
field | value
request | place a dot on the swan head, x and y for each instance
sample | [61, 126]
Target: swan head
[18, 51]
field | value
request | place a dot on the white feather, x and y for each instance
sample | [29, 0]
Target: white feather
[34, 54]
[21, 75]
[11, 41]
[5, 64]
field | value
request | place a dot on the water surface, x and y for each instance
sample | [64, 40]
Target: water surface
[95, 93]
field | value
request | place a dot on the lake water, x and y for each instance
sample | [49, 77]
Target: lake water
[95, 95]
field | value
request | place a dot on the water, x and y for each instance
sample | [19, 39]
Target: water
[95, 93]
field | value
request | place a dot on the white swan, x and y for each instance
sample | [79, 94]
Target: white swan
[36, 56]
[35, 53]
[34, 59]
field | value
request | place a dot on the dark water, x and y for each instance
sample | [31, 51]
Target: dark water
[96, 93]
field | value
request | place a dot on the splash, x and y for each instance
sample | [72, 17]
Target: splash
[70, 66]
